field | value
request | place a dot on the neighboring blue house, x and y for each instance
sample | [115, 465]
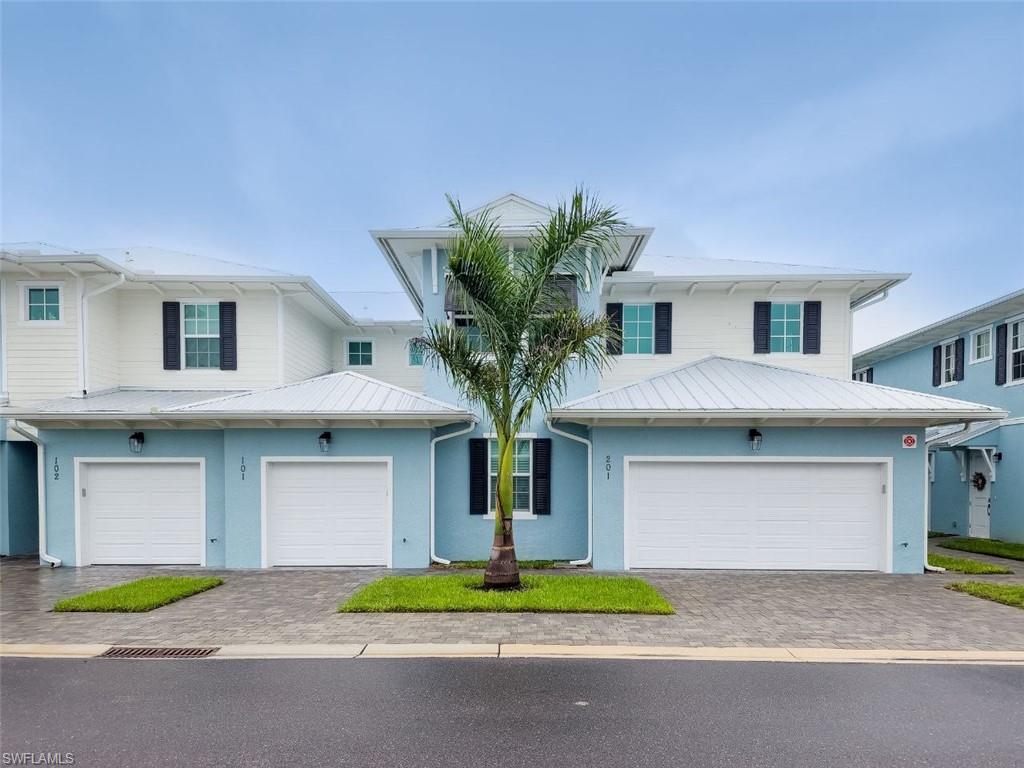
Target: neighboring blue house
[225, 416]
[976, 470]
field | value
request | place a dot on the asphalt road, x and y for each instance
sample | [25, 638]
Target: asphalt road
[510, 713]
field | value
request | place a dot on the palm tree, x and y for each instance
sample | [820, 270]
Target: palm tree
[525, 339]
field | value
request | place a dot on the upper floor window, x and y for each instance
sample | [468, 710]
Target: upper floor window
[1015, 349]
[42, 303]
[360, 353]
[981, 346]
[786, 331]
[415, 354]
[522, 475]
[637, 329]
[201, 334]
[477, 340]
[949, 362]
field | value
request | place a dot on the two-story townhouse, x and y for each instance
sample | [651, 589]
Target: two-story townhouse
[976, 471]
[726, 432]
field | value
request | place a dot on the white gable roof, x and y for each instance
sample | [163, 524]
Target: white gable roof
[725, 388]
[513, 211]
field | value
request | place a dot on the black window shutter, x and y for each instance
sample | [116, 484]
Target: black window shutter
[172, 336]
[663, 328]
[762, 327]
[1001, 354]
[615, 322]
[479, 476]
[937, 366]
[812, 327]
[229, 336]
[958, 367]
[542, 476]
[870, 376]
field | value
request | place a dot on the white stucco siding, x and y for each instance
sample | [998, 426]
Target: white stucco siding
[103, 333]
[390, 357]
[42, 358]
[308, 344]
[713, 322]
[141, 348]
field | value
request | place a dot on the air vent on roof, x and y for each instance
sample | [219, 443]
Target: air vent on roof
[141, 652]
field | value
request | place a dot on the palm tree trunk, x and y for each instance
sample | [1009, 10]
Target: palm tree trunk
[502, 570]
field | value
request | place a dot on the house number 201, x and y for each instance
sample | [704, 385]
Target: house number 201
[608, 467]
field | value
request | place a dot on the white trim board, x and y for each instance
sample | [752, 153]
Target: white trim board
[886, 462]
[80, 460]
[267, 460]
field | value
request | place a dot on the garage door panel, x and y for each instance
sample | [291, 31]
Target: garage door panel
[780, 515]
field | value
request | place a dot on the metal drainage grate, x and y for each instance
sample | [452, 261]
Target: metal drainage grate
[141, 652]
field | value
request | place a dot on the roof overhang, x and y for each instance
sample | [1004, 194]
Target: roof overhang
[403, 250]
[969, 320]
[755, 418]
[860, 287]
[234, 420]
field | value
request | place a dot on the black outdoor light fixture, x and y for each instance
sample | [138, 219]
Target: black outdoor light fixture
[136, 441]
[756, 438]
[325, 442]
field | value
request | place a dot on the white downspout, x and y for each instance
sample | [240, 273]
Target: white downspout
[41, 479]
[83, 337]
[433, 554]
[590, 489]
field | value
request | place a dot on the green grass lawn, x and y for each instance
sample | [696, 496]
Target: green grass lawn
[1007, 594]
[138, 596]
[937, 534]
[965, 565]
[527, 565]
[541, 594]
[993, 547]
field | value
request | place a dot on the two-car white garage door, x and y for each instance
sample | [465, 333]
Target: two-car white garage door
[314, 512]
[756, 515]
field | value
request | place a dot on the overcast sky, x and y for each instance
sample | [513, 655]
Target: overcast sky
[875, 136]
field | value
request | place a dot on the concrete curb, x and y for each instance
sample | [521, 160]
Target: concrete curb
[533, 651]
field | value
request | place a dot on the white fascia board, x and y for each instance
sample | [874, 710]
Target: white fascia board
[938, 417]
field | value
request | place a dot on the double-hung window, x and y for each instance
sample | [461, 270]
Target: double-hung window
[1015, 350]
[522, 475]
[786, 326]
[415, 354]
[202, 334]
[949, 362]
[360, 353]
[981, 345]
[42, 303]
[637, 329]
[477, 340]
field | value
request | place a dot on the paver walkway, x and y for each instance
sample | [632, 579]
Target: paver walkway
[714, 608]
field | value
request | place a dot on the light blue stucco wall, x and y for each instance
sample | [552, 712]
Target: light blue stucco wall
[1007, 522]
[949, 496]
[408, 449]
[19, 507]
[233, 503]
[612, 444]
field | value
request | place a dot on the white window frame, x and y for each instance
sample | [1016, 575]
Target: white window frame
[1010, 381]
[772, 300]
[640, 355]
[195, 302]
[373, 353]
[517, 514]
[973, 341]
[948, 344]
[858, 375]
[23, 288]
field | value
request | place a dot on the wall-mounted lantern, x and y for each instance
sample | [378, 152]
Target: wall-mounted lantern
[756, 438]
[136, 441]
[325, 442]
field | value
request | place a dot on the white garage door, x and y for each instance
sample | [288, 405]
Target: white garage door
[760, 515]
[142, 513]
[328, 513]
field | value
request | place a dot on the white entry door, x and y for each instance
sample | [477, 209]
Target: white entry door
[978, 500]
[141, 513]
[757, 515]
[328, 512]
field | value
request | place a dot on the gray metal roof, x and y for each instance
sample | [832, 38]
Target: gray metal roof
[726, 387]
[122, 401]
[950, 438]
[335, 394]
[955, 325]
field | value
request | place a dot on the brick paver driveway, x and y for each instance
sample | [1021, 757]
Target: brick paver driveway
[714, 608]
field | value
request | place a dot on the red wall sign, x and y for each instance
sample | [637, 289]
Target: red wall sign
[910, 441]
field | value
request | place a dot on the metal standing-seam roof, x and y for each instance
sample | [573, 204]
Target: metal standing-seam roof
[334, 395]
[716, 387]
[119, 401]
